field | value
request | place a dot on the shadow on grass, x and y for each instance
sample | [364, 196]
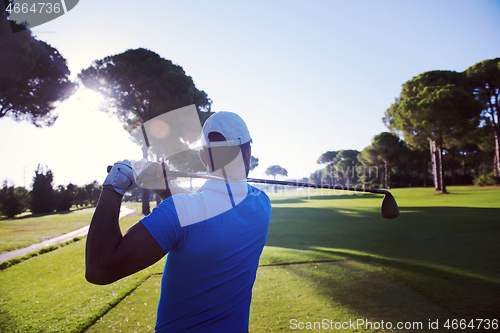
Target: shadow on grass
[448, 254]
[371, 295]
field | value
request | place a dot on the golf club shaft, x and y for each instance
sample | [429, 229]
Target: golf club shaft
[332, 187]
[272, 182]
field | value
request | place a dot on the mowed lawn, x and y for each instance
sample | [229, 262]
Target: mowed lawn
[25, 230]
[49, 293]
[328, 257]
[445, 247]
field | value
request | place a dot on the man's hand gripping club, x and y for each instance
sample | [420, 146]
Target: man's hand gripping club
[125, 176]
[152, 176]
[121, 177]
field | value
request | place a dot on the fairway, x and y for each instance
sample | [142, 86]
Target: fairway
[329, 259]
[288, 295]
[26, 230]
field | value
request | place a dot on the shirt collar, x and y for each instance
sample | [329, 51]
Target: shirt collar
[220, 186]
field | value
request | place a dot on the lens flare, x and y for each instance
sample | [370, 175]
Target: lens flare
[160, 129]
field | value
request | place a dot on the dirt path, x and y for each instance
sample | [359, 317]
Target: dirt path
[124, 211]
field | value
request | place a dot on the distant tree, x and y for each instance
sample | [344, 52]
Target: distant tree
[80, 197]
[372, 163]
[42, 194]
[328, 174]
[470, 159]
[89, 190]
[140, 85]
[24, 195]
[254, 162]
[93, 191]
[327, 157]
[12, 200]
[34, 77]
[458, 147]
[485, 79]
[481, 152]
[346, 163]
[63, 199]
[275, 170]
[316, 177]
[418, 163]
[437, 106]
[389, 162]
[72, 191]
[388, 147]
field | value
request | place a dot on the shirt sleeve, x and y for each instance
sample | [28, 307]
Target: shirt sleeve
[163, 225]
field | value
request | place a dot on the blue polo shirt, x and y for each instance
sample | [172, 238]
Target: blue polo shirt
[213, 245]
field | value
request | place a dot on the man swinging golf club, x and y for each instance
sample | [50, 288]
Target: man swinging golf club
[213, 237]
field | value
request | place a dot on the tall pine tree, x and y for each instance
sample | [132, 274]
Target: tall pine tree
[42, 195]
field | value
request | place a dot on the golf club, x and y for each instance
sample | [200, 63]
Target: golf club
[389, 209]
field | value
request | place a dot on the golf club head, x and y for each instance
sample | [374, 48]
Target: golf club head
[390, 209]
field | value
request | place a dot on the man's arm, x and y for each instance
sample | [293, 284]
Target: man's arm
[109, 256]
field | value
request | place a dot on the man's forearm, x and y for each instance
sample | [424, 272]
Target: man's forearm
[104, 233]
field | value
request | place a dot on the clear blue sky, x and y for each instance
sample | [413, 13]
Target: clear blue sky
[307, 76]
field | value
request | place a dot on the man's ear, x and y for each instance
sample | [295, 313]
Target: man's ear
[248, 154]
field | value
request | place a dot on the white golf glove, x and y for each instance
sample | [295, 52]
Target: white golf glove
[121, 177]
[149, 175]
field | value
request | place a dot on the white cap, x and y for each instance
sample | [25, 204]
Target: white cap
[230, 125]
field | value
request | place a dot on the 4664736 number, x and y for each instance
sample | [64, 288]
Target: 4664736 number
[37, 7]
[456, 324]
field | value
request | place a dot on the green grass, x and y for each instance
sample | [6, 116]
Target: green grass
[23, 231]
[17, 260]
[339, 292]
[443, 246]
[49, 292]
[135, 313]
[27, 229]
[138, 205]
[327, 257]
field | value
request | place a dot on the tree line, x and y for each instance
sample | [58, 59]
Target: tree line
[44, 198]
[450, 128]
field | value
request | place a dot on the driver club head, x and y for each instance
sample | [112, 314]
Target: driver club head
[390, 209]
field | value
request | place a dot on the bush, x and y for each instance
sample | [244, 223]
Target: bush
[50, 248]
[11, 201]
[63, 199]
[487, 179]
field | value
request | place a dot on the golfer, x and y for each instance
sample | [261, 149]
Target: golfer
[212, 238]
